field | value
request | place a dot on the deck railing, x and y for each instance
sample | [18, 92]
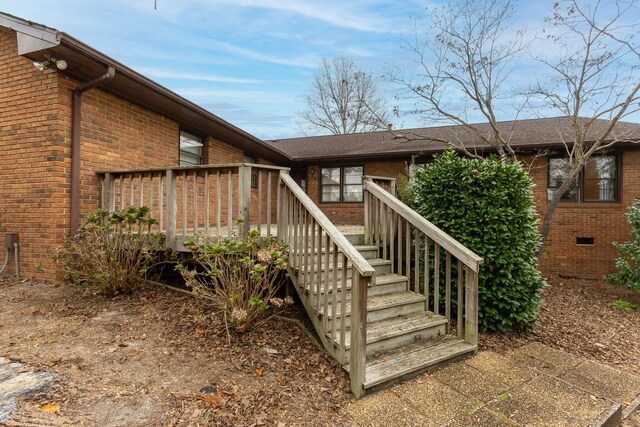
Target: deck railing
[190, 200]
[323, 256]
[417, 249]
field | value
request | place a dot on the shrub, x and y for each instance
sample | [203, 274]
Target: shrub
[628, 262]
[240, 277]
[487, 205]
[112, 252]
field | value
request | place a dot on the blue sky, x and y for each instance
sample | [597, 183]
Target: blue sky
[249, 61]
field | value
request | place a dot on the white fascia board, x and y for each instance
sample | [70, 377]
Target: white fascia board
[32, 37]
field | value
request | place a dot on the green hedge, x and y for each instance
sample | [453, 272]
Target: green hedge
[487, 205]
[628, 262]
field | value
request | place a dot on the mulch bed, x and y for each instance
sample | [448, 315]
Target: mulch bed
[142, 359]
[578, 317]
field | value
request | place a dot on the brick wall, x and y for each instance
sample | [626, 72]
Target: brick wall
[35, 136]
[33, 186]
[605, 222]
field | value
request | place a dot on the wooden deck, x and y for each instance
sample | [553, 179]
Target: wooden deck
[389, 299]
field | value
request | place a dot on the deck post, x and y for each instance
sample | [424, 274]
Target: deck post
[367, 222]
[358, 350]
[471, 307]
[171, 210]
[244, 197]
[107, 202]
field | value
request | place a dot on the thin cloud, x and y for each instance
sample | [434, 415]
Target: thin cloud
[307, 61]
[330, 14]
[153, 72]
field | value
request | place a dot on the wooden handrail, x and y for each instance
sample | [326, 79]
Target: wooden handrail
[357, 260]
[192, 168]
[468, 257]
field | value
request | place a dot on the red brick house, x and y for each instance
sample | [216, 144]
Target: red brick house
[60, 123]
[585, 225]
[59, 126]
[80, 131]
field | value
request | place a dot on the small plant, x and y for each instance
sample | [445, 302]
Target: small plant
[112, 252]
[240, 277]
[628, 262]
[625, 305]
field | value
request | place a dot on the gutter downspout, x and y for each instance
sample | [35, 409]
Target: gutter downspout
[75, 145]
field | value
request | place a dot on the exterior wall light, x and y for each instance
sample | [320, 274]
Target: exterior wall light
[60, 64]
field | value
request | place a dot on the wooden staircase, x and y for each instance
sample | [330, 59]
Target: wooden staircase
[393, 300]
[377, 310]
[403, 338]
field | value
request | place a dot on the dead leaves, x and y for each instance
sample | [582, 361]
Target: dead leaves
[51, 408]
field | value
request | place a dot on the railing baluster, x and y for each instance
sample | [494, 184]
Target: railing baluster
[140, 190]
[307, 268]
[269, 185]
[334, 292]
[218, 203]
[206, 202]
[399, 228]
[160, 203]
[407, 252]
[392, 244]
[416, 260]
[172, 207]
[436, 279]
[319, 266]
[427, 269]
[459, 325]
[343, 309]
[382, 211]
[121, 192]
[230, 202]
[447, 300]
[327, 283]
[184, 206]
[131, 189]
[195, 202]
[151, 193]
[259, 201]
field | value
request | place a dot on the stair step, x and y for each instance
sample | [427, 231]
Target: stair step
[367, 251]
[387, 368]
[384, 306]
[382, 266]
[385, 284]
[400, 325]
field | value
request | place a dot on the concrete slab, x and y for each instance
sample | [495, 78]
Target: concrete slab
[604, 381]
[526, 410]
[554, 394]
[383, 409]
[546, 359]
[502, 368]
[438, 402]
[471, 381]
[484, 418]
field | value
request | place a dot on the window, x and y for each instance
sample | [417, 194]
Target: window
[597, 182]
[341, 184]
[191, 149]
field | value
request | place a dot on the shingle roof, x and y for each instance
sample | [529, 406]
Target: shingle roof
[522, 134]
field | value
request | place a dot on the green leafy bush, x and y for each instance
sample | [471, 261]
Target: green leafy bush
[628, 262]
[240, 277]
[487, 205]
[112, 252]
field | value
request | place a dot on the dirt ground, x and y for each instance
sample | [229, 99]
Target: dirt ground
[143, 359]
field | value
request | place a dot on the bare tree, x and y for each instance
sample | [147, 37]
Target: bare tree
[462, 65]
[343, 99]
[594, 81]
[475, 47]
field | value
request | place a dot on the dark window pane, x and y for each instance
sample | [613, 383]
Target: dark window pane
[330, 193]
[191, 149]
[353, 175]
[559, 169]
[600, 179]
[330, 176]
[352, 193]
